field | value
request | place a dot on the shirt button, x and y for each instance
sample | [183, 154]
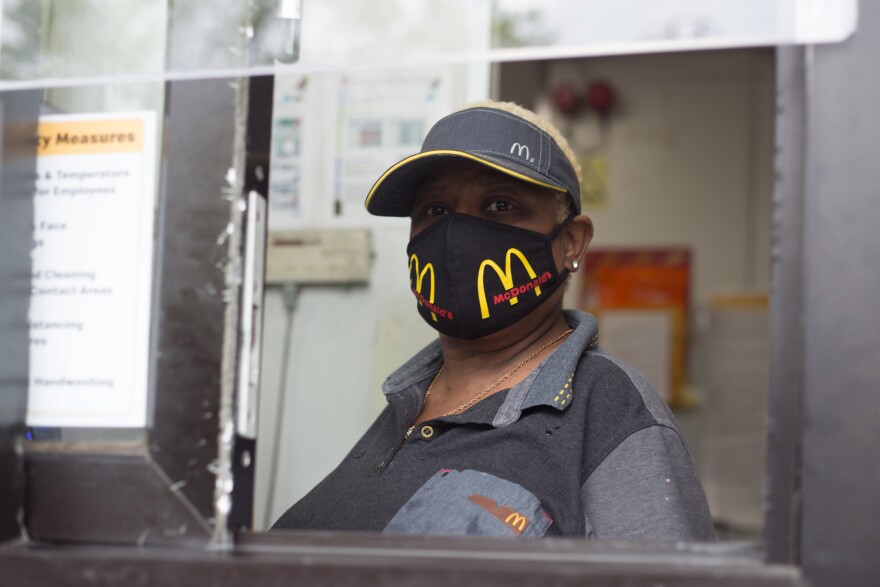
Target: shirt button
[427, 432]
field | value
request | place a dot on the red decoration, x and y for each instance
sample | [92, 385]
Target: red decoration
[565, 99]
[600, 97]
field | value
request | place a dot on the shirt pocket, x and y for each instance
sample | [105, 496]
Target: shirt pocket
[455, 503]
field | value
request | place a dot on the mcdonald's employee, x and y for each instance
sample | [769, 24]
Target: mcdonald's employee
[513, 422]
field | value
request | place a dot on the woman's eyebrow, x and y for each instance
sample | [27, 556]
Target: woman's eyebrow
[515, 189]
[426, 191]
[436, 182]
[505, 182]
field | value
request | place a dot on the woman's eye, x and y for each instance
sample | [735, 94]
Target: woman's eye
[499, 206]
[435, 210]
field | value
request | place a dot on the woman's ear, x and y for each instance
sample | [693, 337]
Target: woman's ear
[580, 233]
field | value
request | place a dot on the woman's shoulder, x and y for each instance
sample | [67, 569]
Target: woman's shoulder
[613, 387]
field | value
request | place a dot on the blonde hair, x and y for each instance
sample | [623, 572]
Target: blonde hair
[563, 200]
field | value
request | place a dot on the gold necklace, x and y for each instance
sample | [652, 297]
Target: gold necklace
[503, 378]
[482, 394]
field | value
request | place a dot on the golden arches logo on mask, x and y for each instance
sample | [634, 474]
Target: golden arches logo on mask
[511, 293]
[416, 283]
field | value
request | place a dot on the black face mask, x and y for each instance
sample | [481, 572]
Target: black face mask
[473, 277]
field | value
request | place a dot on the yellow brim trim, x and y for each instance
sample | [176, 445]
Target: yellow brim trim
[465, 155]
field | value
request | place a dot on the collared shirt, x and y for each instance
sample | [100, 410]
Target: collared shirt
[583, 446]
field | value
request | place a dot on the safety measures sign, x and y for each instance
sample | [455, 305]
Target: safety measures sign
[92, 268]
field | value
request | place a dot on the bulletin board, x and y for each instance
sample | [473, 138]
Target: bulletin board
[641, 298]
[335, 134]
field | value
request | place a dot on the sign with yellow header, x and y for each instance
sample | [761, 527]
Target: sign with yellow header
[88, 137]
[92, 268]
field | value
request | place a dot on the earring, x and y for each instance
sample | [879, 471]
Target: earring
[574, 265]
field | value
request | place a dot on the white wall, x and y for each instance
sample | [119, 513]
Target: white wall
[690, 155]
[345, 341]
[691, 164]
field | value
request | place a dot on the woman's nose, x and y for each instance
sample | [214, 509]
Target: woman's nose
[465, 207]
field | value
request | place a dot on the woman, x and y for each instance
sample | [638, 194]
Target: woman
[513, 422]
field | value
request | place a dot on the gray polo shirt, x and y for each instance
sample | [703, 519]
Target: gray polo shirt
[583, 446]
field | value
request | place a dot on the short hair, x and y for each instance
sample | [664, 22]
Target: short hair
[564, 204]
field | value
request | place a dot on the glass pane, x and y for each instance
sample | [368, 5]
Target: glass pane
[57, 41]
[677, 179]
[344, 65]
[51, 42]
[95, 195]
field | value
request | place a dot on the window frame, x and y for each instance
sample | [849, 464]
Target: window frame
[791, 554]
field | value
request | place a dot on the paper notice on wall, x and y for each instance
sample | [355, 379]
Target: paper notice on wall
[92, 268]
[641, 297]
[382, 118]
[594, 182]
[737, 375]
[292, 102]
[643, 338]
